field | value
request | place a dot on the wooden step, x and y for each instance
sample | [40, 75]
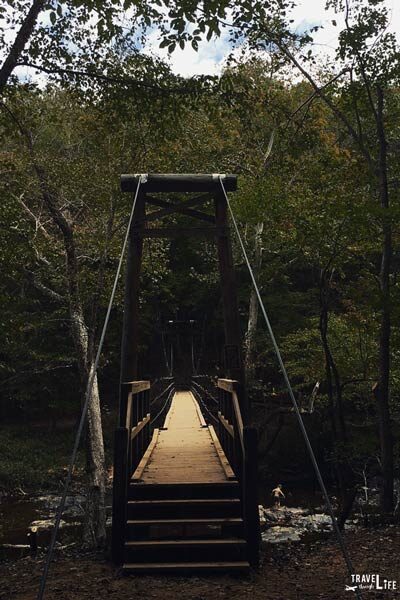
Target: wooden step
[186, 543]
[219, 521]
[139, 529]
[187, 568]
[184, 508]
[165, 491]
[185, 550]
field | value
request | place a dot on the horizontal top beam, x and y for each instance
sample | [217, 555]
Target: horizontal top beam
[185, 182]
[229, 385]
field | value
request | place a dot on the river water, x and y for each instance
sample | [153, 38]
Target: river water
[19, 514]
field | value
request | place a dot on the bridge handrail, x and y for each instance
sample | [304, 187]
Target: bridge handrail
[131, 440]
[137, 421]
[239, 443]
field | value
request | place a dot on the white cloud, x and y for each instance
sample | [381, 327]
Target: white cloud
[313, 12]
[209, 58]
[211, 55]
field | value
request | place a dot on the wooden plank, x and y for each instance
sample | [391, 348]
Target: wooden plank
[146, 457]
[135, 430]
[172, 182]
[250, 495]
[167, 418]
[157, 201]
[238, 416]
[188, 521]
[138, 386]
[177, 232]
[226, 424]
[185, 501]
[183, 208]
[229, 474]
[129, 411]
[186, 542]
[120, 487]
[185, 452]
[229, 385]
[130, 328]
[187, 567]
[199, 413]
[233, 339]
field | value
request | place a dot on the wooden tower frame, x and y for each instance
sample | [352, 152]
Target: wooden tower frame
[206, 188]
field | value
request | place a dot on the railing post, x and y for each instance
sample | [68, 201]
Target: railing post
[120, 492]
[237, 448]
[233, 339]
[237, 463]
[250, 494]
[146, 412]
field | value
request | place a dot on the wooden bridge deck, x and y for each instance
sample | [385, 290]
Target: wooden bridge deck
[185, 450]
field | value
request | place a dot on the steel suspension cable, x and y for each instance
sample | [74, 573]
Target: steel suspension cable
[162, 393]
[205, 391]
[335, 525]
[164, 406]
[88, 396]
[169, 370]
[201, 345]
[192, 355]
[204, 405]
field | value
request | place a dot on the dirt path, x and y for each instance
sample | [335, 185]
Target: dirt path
[290, 572]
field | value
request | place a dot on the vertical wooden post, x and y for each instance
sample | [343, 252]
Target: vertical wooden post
[129, 358]
[120, 492]
[250, 495]
[130, 328]
[233, 354]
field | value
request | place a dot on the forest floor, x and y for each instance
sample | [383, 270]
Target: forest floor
[288, 572]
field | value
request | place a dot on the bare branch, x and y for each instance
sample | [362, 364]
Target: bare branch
[97, 76]
[320, 92]
[46, 291]
[39, 226]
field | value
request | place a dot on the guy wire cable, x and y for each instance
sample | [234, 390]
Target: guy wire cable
[292, 397]
[88, 395]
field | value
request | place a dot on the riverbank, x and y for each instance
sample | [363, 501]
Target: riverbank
[34, 458]
[300, 571]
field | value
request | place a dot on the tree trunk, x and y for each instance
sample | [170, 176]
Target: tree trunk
[343, 472]
[250, 342]
[382, 391]
[94, 534]
[95, 518]
[20, 42]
